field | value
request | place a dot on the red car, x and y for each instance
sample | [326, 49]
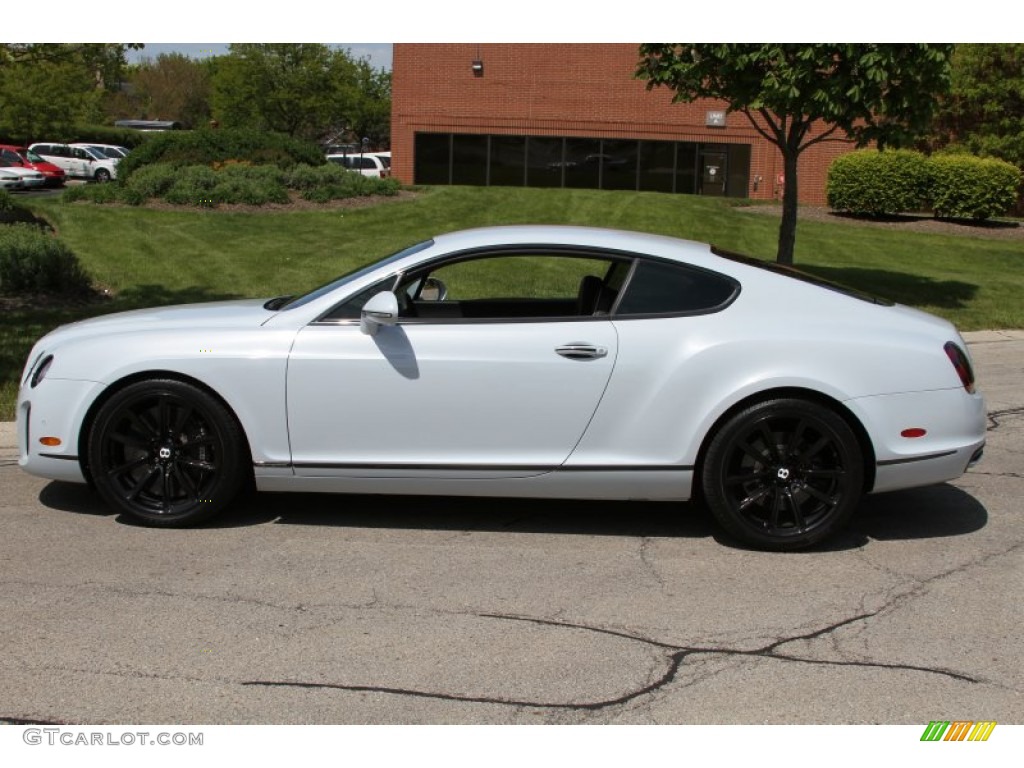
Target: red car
[21, 156]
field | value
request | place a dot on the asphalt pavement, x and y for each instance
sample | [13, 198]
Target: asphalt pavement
[359, 609]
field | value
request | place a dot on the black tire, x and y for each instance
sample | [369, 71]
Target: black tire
[783, 474]
[102, 175]
[166, 453]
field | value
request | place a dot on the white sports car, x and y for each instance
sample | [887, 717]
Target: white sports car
[534, 361]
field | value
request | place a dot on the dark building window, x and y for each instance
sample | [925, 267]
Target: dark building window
[433, 158]
[508, 161]
[682, 167]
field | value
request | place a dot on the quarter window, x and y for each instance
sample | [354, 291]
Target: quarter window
[658, 288]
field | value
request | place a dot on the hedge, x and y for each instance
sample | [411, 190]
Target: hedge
[209, 146]
[968, 187]
[34, 260]
[875, 183]
[234, 182]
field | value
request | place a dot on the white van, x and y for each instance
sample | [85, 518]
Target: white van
[78, 162]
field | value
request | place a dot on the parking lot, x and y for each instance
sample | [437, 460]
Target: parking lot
[333, 609]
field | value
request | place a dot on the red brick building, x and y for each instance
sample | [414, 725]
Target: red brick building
[573, 115]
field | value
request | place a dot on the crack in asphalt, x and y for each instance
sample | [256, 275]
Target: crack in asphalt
[678, 654]
[674, 661]
[995, 416]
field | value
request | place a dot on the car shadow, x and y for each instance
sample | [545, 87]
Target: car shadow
[921, 513]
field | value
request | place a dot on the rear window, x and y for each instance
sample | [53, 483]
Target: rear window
[660, 288]
[804, 277]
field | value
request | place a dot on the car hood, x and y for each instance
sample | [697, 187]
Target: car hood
[245, 313]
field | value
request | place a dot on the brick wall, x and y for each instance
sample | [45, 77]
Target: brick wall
[566, 90]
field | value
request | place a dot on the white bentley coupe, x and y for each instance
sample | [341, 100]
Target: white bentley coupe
[532, 361]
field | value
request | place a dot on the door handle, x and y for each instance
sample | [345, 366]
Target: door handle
[581, 351]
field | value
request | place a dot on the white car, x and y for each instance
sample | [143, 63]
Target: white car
[532, 361]
[18, 177]
[78, 162]
[113, 151]
[366, 164]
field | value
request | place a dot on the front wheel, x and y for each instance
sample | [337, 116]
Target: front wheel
[102, 175]
[166, 453]
[783, 474]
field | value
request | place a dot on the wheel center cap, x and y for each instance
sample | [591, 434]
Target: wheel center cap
[783, 473]
[164, 453]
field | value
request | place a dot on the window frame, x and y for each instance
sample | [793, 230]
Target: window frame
[612, 256]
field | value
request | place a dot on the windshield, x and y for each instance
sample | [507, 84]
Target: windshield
[355, 274]
[33, 157]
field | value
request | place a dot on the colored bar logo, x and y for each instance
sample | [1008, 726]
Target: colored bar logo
[958, 730]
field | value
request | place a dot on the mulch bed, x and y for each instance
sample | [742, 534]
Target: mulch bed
[1000, 229]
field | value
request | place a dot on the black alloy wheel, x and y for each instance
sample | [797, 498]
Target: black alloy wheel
[166, 453]
[783, 474]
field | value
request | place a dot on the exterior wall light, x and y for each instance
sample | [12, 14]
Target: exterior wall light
[478, 68]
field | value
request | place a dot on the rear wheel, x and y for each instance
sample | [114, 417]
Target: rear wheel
[783, 474]
[166, 453]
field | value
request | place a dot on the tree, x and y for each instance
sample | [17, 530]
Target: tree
[46, 88]
[303, 90]
[985, 110]
[173, 87]
[799, 95]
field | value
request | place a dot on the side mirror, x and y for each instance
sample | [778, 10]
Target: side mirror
[433, 290]
[382, 309]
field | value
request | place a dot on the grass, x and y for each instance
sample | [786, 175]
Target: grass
[147, 257]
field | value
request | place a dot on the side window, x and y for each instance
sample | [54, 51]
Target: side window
[659, 288]
[517, 277]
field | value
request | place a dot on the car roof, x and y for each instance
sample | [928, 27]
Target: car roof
[587, 237]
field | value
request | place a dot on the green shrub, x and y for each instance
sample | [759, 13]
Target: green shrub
[193, 186]
[870, 182]
[6, 203]
[251, 185]
[306, 177]
[152, 180]
[34, 260]
[968, 187]
[208, 146]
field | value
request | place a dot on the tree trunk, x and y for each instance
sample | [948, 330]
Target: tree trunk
[787, 229]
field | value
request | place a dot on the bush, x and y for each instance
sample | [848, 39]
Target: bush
[33, 260]
[208, 146]
[6, 203]
[968, 187]
[152, 180]
[875, 183]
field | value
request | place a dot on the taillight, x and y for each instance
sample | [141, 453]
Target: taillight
[962, 364]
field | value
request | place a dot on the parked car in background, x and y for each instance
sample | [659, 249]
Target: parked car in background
[9, 180]
[385, 157]
[113, 151]
[368, 165]
[79, 162]
[30, 179]
[53, 175]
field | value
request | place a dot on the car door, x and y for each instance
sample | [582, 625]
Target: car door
[464, 385]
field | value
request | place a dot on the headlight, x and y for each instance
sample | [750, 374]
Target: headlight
[40, 372]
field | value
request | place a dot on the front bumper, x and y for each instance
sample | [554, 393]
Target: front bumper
[56, 408]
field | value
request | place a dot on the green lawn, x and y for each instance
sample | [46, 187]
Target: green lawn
[147, 257]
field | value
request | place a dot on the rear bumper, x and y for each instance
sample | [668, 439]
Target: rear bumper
[954, 424]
